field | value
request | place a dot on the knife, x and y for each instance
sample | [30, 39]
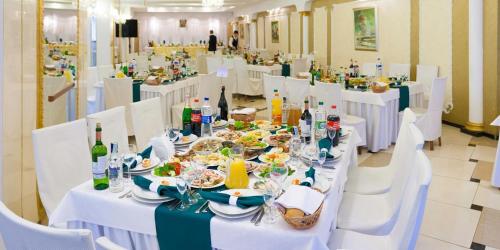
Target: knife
[257, 223]
[201, 207]
[254, 218]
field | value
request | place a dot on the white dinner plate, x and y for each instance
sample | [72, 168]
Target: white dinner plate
[147, 194]
[139, 199]
[220, 124]
[333, 151]
[218, 185]
[232, 217]
[231, 210]
[321, 182]
[154, 162]
[180, 142]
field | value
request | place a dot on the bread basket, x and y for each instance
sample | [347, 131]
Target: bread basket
[301, 222]
[244, 117]
[379, 88]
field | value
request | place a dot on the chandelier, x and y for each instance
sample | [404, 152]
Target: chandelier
[212, 3]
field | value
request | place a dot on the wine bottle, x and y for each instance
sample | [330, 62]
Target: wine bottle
[99, 161]
[222, 105]
[305, 123]
[186, 117]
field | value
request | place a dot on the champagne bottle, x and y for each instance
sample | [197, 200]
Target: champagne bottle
[222, 105]
[99, 161]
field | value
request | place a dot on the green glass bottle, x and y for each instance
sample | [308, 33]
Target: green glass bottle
[186, 117]
[99, 161]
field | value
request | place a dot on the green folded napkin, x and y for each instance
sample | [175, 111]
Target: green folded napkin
[166, 191]
[146, 154]
[325, 143]
[285, 69]
[310, 178]
[242, 202]
[136, 92]
[404, 96]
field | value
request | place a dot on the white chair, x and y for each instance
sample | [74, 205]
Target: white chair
[114, 128]
[397, 69]
[270, 84]
[213, 63]
[201, 64]
[231, 85]
[429, 120]
[298, 65]
[62, 160]
[405, 233]
[426, 75]
[18, 233]
[147, 119]
[246, 85]
[297, 89]
[369, 69]
[157, 61]
[331, 94]
[104, 71]
[118, 92]
[383, 210]
[369, 180]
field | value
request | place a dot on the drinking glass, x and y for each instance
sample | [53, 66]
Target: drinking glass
[331, 134]
[296, 146]
[322, 158]
[279, 173]
[181, 184]
[128, 159]
[270, 192]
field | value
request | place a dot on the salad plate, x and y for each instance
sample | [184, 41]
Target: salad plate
[153, 202]
[220, 124]
[185, 140]
[230, 210]
[140, 168]
[148, 195]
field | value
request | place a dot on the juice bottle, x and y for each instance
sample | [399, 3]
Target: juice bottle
[237, 176]
[276, 111]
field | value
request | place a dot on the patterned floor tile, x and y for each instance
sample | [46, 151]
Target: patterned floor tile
[483, 141]
[483, 170]
[488, 229]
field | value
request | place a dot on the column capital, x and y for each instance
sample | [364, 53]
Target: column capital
[305, 13]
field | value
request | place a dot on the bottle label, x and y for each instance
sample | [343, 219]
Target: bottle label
[305, 127]
[113, 171]
[196, 118]
[99, 167]
[206, 119]
[320, 125]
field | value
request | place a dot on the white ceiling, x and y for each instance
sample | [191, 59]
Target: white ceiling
[183, 5]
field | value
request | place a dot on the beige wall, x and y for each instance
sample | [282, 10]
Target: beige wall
[393, 33]
[320, 34]
[19, 95]
[260, 32]
[283, 33]
[295, 34]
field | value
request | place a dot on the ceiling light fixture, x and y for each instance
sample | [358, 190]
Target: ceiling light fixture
[212, 3]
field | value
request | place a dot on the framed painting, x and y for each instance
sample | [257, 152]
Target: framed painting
[365, 29]
[275, 32]
[183, 23]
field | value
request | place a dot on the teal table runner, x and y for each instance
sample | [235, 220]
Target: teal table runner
[285, 69]
[404, 96]
[136, 91]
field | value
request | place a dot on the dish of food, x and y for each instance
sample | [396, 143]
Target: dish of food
[278, 139]
[259, 133]
[251, 142]
[264, 171]
[270, 127]
[274, 157]
[229, 135]
[168, 169]
[220, 123]
[183, 156]
[250, 166]
[214, 159]
[283, 131]
[208, 179]
[207, 145]
[260, 123]
[184, 140]
[240, 126]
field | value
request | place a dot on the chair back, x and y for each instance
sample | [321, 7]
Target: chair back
[329, 94]
[209, 86]
[147, 119]
[213, 63]
[430, 122]
[398, 69]
[231, 85]
[298, 90]
[157, 61]
[436, 101]
[201, 64]
[92, 79]
[114, 128]
[426, 75]
[270, 84]
[243, 82]
[406, 231]
[298, 65]
[369, 69]
[104, 71]
[18, 233]
[54, 112]
[62, 160]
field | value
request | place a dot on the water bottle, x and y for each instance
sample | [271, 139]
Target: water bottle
[115, 171]
[379, 67]
[320, 123]
[206, 119]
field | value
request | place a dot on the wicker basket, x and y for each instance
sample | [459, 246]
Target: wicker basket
[244, 117]
[379, 89]
[304, 222]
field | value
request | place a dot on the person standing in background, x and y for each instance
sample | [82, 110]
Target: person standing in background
[233, 42]
[212, 42]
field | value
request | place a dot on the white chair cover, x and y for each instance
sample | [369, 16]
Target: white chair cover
[18, 233]
[201, 64]
[298, 90]
[228, 63]
[118, 92]
[397, 69]
[430, 121]
[426, 75]
[157, 61]
[209, 87]
[246, 85]
[54, 112]
[270, 84]
[405, 233]
[231, 84]
[369, 69]
[104, 71]
[105, 244]
[147, 119]
[384, 208]
[114, 128]
[298, 65]
[213, 63]
[495, 176]
[62, 160]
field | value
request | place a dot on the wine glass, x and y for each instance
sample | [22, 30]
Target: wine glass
[332, 132]
[128, 160]
[270, 192]
[279, 173]
[322, 158]
[181, 184]
[296, 146]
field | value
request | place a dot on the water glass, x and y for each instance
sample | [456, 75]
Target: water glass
[182, 187]
[322, 158]
[127, 160]
[270, 192]
[332, 132]
[279, 173]
[296, 146]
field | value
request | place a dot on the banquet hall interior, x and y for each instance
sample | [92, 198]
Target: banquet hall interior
[250, 124]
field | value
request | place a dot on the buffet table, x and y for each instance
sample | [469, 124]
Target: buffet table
[257, 71]
[132, 224]
[381, 112]
[170, 94]
[192, 51]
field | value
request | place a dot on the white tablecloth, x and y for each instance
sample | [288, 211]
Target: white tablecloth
[256, 71]
[170, 94]
[132, 225]
[381, 112]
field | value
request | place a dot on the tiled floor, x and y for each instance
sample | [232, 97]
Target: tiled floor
[463, 209]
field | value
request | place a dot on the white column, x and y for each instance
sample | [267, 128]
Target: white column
[1, 102]
[475, 66]
[305, 34]
[104, 28]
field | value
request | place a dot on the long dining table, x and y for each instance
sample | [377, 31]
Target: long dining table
[132, 224]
